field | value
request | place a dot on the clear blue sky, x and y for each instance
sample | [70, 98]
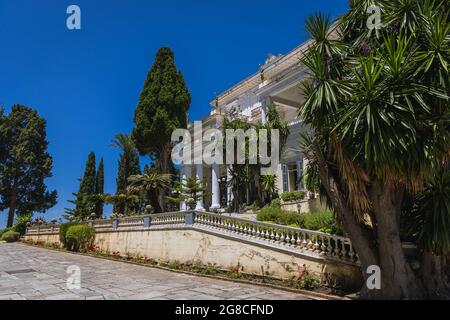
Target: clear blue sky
[86, 83]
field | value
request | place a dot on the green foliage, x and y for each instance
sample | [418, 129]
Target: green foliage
[309, 282]
[149, 186]
[10, 236]
[276, 203]
[99, 188]
[428, 220]
[244, 176]
[21, 222]
[377, 105]
[323, 221]
[2, 231]
[79, 237]
[268, 185]
[63, 231]
[128, 166]
[293, 195]
[190, 190]
[88, 199]
[279, 216]
[24, 163]
[127, 201]
[161, 109]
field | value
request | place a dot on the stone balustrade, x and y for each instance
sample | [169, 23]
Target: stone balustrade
[294, 240]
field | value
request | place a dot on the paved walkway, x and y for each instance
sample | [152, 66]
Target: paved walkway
[35, 273]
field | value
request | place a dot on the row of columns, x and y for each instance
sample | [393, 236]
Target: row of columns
[215, 186]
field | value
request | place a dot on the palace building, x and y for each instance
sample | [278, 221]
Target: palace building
[276, 83]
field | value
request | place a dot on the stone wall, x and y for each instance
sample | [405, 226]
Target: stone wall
[187, 245]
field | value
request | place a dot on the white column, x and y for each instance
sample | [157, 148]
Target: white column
[229, 189]
[183, 171]
[215, 200]
[199, 176]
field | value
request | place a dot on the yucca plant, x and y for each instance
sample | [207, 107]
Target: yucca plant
[377, 105]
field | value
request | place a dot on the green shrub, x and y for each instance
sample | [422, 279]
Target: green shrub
[255, 206]
[279, 216]
[323, 221]
[79, 237]
[293, 196]
[10, 236]
[309, 282]
[63, 231]
[21, 223]
[276, 203]
[2, 231]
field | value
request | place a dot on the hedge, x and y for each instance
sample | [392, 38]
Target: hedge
[10, 236]
[63, 230]
[79, 237]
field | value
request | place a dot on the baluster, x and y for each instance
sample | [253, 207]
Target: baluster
[336, 248]
[277, 236]
[299, 240]
[310, 245]
[282, 236]
[323, 247]
[329, 246]
[351, 253]
[304, 242]
[288, 239]
[316, 244]
[293, 240]
[344, 250]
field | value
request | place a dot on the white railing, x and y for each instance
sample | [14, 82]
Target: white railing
[305, 241]
[295, 240]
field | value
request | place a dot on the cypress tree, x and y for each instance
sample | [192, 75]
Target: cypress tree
[100, 188]
[84, 203]
[87, 185]
[24, 163]
[128, 166]
[162, 108]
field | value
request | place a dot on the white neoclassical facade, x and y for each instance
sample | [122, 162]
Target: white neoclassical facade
[276, 83]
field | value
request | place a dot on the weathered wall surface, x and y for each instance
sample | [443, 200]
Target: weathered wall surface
[306, 206]
[190, 246]
[46, 237]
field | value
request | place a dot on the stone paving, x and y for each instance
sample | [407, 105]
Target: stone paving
[36, 273]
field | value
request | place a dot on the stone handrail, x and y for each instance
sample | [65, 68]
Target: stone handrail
[301, 241]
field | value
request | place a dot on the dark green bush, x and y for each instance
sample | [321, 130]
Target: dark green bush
[10, 236]
[63, 230]
[279, 216]
[21, 223]
[276, 203]
[79, 237]
[2, 231]
[293, 196]
[323, 221]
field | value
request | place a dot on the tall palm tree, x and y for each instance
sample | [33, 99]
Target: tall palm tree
[377, 105]
[149, 185]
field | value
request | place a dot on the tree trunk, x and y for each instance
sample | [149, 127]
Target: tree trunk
[12, 207]
[362, 240]
[434, 276]
[398, 281]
